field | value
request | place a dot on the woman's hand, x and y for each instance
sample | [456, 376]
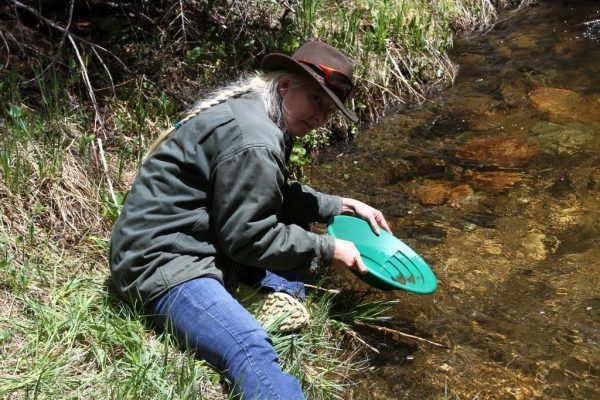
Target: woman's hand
[346, 255]
[373, 216]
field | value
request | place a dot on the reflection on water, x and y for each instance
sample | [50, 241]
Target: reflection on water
[497, 184]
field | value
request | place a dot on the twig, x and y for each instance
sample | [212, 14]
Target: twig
[334, 291]
[86, 80]
[182, 13]
[401, 336]
[7, 50]
[397, 72]
[384, 89]
[359, 339]
[112, 84]
[66, 31]
[105, 166]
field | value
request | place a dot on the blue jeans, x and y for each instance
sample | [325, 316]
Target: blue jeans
[290, 282]
[206, 318]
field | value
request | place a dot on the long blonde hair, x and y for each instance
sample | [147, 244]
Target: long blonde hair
[267, 84]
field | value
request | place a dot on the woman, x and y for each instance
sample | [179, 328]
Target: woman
[212, 194]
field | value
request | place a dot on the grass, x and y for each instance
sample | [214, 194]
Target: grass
[77, 342]
[62, 333]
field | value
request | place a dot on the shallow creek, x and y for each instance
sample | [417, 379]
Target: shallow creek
[496, 183]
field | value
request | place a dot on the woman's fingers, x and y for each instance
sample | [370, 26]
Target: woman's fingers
[377, 220]
[373, 216]
[346, 255]
[372, 219]
[360, 266]
[382, 222]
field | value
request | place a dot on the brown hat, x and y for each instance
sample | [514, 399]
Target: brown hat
[325, 64]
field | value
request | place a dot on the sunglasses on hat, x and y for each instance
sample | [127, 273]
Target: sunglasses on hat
[336, 81]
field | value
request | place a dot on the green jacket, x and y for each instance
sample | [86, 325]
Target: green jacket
[215, 192]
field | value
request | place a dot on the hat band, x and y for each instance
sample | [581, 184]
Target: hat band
[333, 79]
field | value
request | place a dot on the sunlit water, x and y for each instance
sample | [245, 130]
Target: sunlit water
[496, 183]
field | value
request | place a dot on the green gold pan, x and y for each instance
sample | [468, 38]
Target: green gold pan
[390, 262]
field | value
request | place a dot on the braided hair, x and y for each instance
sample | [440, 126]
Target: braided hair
[267, 84]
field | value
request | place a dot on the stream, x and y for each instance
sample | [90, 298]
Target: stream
[495, 182]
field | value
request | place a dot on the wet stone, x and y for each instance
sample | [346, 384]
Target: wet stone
[429, 167]
[514, 91]
[534, 245]
[503, 50]
[565, 105]
[462, 195]
[493, 182]
[471, 59]
[526, 41]
[443, 125]
[484, 219]
[563, 139]
[561, 187]
[433, 193]
[593, 181]
[542, 77]
[428, 232]
[497, 151]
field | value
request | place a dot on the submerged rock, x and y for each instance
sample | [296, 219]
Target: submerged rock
[433, 193]
[565, 105]
[497, 151]
[493, 181]
[542, 77]
[436, 193]
[514, 91]
[461, 195]
[564, 139]
[524, 41]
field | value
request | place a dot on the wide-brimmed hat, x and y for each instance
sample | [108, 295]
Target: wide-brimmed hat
[316, 60]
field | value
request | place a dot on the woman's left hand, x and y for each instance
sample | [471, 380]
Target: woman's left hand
[373, 216]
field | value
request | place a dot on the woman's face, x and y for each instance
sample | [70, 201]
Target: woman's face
[305, 107]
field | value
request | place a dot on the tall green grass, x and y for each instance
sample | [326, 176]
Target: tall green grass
[397, 44]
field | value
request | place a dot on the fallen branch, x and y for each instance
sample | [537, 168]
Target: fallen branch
[66, 31]
[86, 80]
[334, 291]
[359, 339]
[7, 50]
[401, 336]
[108, 181]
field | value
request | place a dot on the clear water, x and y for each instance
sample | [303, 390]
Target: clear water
[496, 183]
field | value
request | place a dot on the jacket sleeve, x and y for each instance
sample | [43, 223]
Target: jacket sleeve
[248, 193]
[303, 205]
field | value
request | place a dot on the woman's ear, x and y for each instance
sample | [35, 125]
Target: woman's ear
[283, 86]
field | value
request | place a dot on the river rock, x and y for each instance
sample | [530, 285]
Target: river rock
[461, 195]
[565, 139]
[433, 193]
[514, 91]
[524, 41]
[565, 105]
[497, 151]
[542, 77]
[429, 166]
[503, 49]
[535, 245]
[471, 59]
[493, 181]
